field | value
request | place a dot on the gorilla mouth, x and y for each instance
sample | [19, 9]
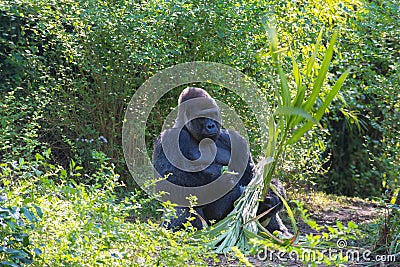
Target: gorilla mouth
[212, 136]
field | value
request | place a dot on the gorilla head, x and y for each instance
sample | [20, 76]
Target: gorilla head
[199, 114]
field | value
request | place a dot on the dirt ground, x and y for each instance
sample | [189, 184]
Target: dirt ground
[326, 211]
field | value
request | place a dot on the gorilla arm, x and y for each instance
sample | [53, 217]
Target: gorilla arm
[220, 208]
[176, 176]
[239, 156]
[184, 157]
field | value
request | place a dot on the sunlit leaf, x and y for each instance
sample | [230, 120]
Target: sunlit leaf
[294, 111]
[321, 74]
[311, 61]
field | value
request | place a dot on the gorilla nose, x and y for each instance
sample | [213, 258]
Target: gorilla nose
[211, 129]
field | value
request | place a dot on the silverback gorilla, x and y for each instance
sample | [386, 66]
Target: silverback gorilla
[196, 123]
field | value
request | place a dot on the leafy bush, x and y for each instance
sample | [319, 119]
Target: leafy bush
[16, 248]
[83, 225]
[387, 230]
[363, 159]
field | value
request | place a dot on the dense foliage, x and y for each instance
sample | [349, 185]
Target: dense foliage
[81, 225]
[69, 67]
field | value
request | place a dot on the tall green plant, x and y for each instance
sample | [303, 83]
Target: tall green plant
[292, 118]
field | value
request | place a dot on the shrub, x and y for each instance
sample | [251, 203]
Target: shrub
[76, 224]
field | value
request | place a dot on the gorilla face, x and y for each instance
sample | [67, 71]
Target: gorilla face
[201, 128]
[199, 114]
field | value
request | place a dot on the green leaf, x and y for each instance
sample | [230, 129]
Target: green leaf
[318, 115]
[311, 61]
[300, 132]
[7, 263]
[271, 138]
[294, 111]
[38, 211]
[72, 164]
[321, 74]
[332, 94]
[352, 225]
[285, 92]
[296, 71]
[284, 87]
[77, 168]
[38, 157]
[339, 225]
[297, 102]
[29, 215]
[37, 251]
